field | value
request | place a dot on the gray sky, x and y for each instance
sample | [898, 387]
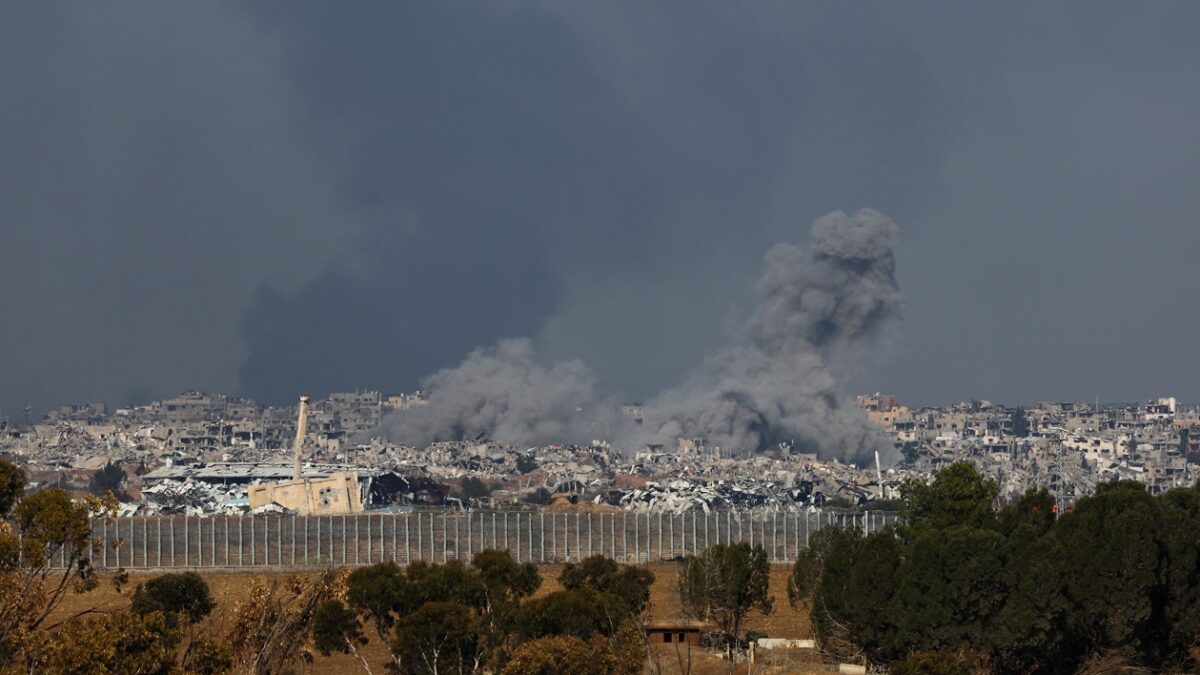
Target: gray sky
[286, 199]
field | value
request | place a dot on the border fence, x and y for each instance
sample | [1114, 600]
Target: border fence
[543, 537]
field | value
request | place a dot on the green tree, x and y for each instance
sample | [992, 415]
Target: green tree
[628, 585]
[850, 582]
[380, 593]
[452, 580]
[183, 594]
[583, 612]
[46, 527]
[1110, 553]
[504, 583]
[122, 642]
[556, 655]
[622, 654]
[439, 637]
[949, 590]
[957, 496]
[12, 486]
[335, 628]
[1179, 512]
[207, 655]
[724, 584]
[1028, 632]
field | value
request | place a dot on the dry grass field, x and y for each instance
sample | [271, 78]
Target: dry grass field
[785, 621]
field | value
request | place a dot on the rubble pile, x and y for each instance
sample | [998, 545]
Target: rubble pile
[193, 498]
[681, 496]
[189, 454]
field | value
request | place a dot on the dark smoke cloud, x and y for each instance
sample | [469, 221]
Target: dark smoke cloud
[827, 301]
[277, 198]
[774, 385]
[502, 392]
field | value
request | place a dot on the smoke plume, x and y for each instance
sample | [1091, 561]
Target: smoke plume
[824, 304]
[827, 302]
[501, 392]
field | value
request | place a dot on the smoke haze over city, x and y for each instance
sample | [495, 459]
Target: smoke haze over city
[272, 200]
[774, 384]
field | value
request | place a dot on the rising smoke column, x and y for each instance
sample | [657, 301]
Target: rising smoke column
[501, 392]
[831, 301]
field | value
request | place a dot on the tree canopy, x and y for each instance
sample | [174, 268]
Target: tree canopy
[962, 581]
[723, 584]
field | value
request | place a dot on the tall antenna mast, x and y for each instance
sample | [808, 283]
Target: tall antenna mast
[879, 477]
[301, 430]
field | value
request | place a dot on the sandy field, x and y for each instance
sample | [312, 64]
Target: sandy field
[784, 622]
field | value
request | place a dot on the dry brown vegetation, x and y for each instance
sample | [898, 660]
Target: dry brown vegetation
[228, 587]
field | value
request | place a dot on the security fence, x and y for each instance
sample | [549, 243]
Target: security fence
[164, 542]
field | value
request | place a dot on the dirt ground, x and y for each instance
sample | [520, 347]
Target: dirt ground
[784, 622]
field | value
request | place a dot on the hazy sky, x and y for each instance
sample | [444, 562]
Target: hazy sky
[304, 198]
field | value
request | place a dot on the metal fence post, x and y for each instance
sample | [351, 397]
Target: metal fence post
[542, 535]
[695, 544]
[612, 534]
[624, 536]
[660, 536]
[407, 548]
[469, 549]
[671, 527]
[420, 538]
[774, 535]
[637, 544]
[786, 557]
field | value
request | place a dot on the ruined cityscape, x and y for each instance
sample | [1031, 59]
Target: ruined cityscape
[599, 338]
[204, 454]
